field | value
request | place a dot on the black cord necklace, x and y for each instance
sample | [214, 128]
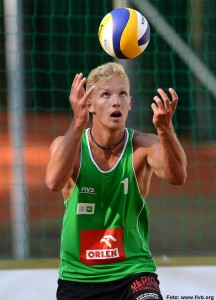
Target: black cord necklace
[106, 147]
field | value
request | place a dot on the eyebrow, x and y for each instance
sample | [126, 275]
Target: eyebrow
[111, 88]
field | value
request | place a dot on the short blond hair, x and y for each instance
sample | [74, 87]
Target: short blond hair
[104, 72]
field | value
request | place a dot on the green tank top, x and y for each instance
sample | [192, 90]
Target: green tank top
[105, 234]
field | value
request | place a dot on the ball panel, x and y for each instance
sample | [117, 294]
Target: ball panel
[102, 27]
[120, 17]
[107, 39]
[129, 39]
[145, 38]
[142, 48]
[105, 34]
[143, 30]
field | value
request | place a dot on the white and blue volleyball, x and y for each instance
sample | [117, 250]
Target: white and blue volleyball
[124, 33]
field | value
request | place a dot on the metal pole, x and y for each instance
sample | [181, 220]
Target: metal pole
[203, 110]
[188, 56]
[130, 67]
[15, 86]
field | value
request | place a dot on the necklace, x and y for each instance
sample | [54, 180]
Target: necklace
[106, 147]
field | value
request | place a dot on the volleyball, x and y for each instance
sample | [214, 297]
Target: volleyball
[124, 33]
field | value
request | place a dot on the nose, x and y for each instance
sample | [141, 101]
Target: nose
[116, 101]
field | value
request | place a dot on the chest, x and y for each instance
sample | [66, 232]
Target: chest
[106, 162]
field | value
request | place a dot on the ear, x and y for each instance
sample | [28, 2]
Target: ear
[130, 104]
[90, 106]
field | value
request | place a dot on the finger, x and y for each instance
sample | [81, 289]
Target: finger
[81, 83]
[88, 93]
[74, 83]
[173, 94]
[154, 107]
[77, 89]
[165, 98]
[76, 80]
[159, 102]
[174, 99]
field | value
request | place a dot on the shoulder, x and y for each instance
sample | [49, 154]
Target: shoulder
[144, 140]
[57, 141]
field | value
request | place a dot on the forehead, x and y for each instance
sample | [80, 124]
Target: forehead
[114, 82]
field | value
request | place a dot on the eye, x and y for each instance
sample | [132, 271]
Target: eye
[123, 93]
[104, 94]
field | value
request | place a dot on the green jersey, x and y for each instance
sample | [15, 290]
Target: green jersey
[105, 234]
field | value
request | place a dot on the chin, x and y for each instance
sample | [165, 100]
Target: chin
[117, 126]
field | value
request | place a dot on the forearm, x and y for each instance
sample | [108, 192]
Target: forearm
[174, 158]
[63, 158]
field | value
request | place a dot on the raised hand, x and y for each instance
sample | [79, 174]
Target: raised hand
[164, 108]
[78, 99]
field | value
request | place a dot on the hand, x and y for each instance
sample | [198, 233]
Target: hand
[164, 109]
[78, 99]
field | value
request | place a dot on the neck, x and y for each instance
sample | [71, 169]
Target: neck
[109, 146]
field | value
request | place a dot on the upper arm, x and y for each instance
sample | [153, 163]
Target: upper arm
[54, 145]
[148, 154]
[51, 170]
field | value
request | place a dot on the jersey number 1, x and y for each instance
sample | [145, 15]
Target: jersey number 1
[125, 182]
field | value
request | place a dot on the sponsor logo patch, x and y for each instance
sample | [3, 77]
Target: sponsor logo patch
[146, 283]
[101, 246]
[85, 208]
[87, 190]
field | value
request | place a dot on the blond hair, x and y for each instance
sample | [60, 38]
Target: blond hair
[104, 72]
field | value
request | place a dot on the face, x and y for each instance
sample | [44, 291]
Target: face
[111, 102]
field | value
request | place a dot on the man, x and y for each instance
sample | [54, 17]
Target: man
[104, 175]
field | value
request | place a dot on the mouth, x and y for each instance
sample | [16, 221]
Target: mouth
[116, 114]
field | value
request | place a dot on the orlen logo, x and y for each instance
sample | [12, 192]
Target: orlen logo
[106, 240]
[101, 246]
